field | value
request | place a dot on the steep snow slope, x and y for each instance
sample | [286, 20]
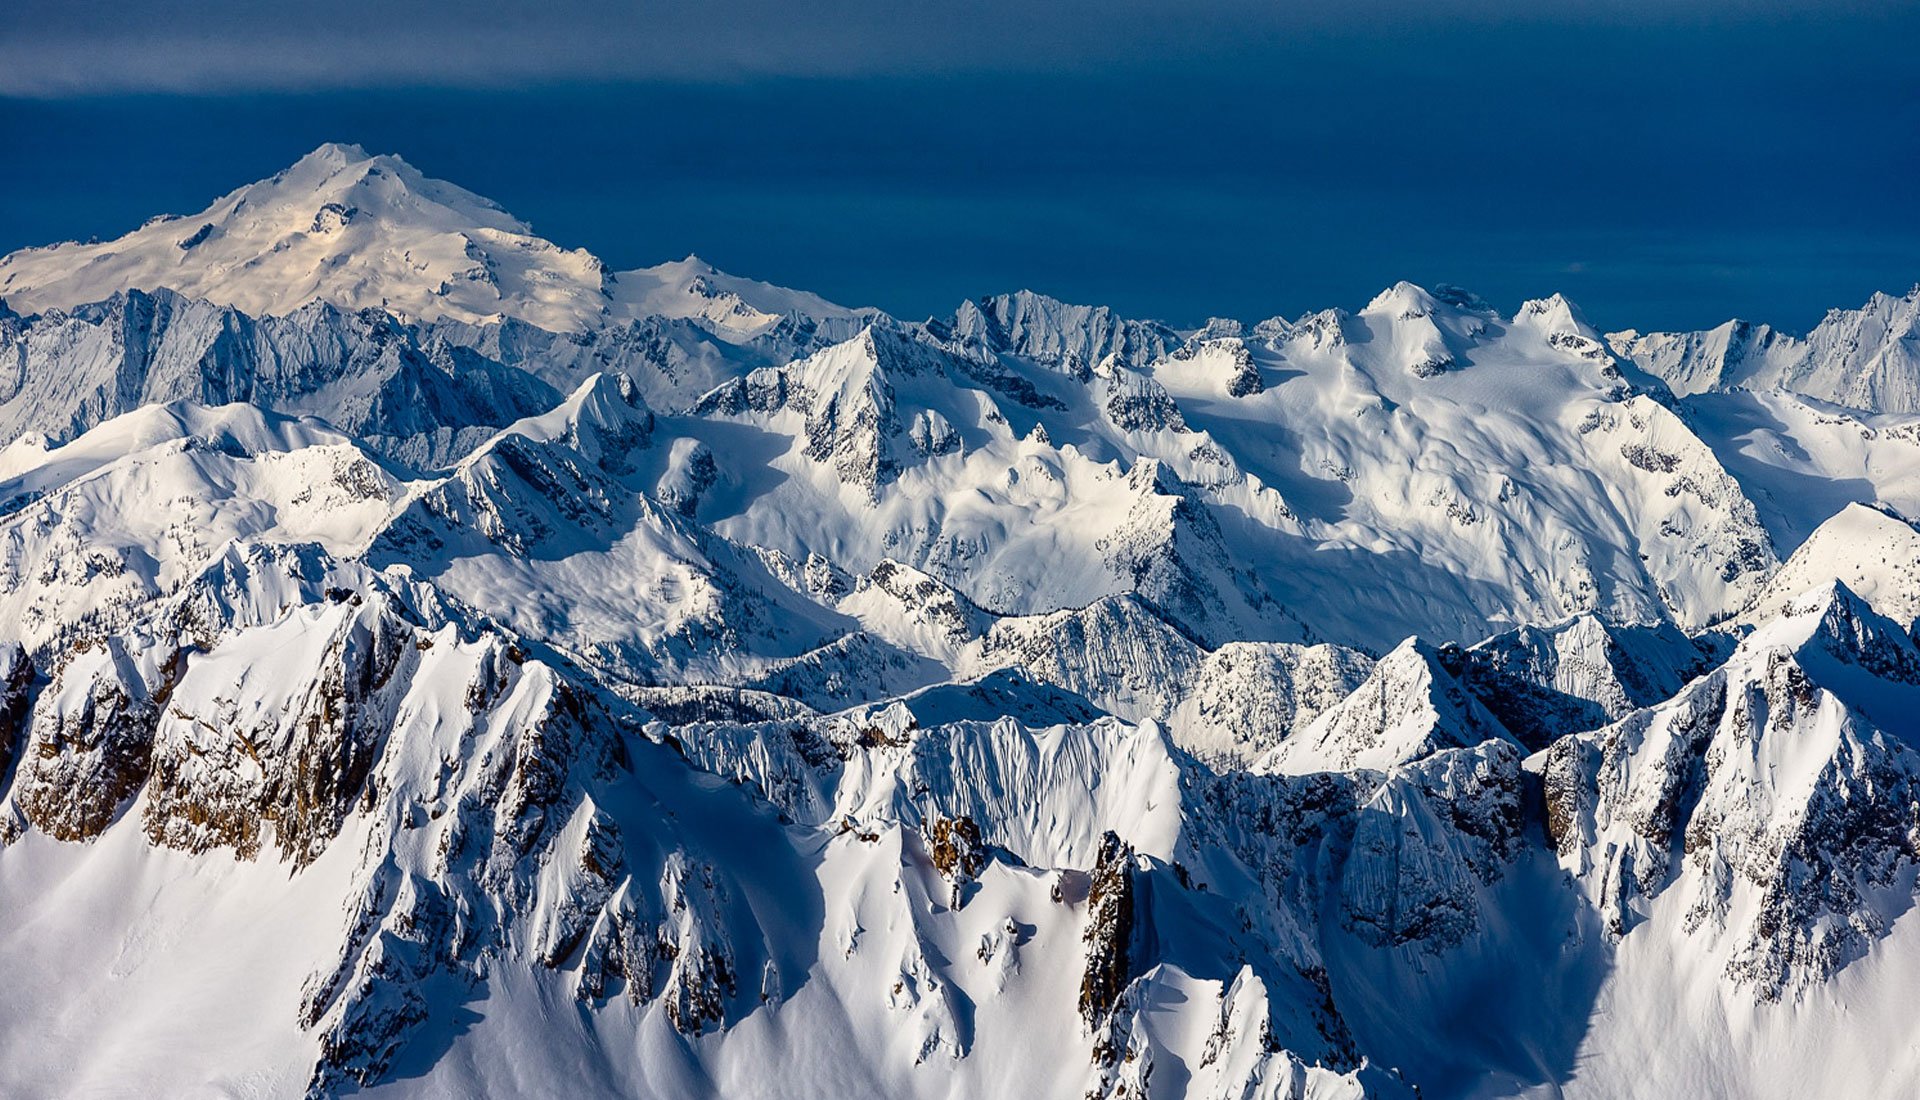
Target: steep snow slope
[1745, 842]
[1409, 707]
[1801, 460]
[157, 501]
[1873, 551]
[1542, 484]
[893, 446]
[465, 877]
[1032, 455]
[542, 528]
[1729, 355]
[450, 822]
[1436, 455]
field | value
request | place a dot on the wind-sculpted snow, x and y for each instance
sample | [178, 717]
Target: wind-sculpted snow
[432, 663]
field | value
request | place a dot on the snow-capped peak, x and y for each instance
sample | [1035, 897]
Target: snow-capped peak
[742, 308]
[603, 419]
[361, 231]
[1863, 358]
[337, 226]
[1554, 313]
[1403, 300]
[1409, 707]
[1830, 621]
[1874, 551]
[918, 683]
[381, 186]
[1048, 330]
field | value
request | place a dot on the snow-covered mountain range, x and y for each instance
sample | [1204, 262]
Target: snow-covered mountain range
[432, 663]
[1867, 358]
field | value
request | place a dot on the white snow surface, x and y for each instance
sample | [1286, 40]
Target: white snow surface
[544, 680]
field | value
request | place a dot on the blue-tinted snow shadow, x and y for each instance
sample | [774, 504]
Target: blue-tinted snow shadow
[770, 899]
[1791, 504]
[1275, 453]
[771, 870]
[744, 454]
[1362, 597]
[1503, 1012]
[449, 1019]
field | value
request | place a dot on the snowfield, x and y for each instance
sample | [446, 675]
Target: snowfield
[434, 664]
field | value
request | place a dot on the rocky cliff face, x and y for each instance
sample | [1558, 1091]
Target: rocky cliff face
[1772, 799]
[90, 740]
[1580, 674]
[461, 780]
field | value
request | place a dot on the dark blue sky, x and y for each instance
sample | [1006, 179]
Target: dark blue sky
[1664, 166]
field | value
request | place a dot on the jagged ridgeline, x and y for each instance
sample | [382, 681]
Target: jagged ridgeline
[434, 663]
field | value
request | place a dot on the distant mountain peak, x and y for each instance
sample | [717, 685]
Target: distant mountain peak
[1403, 299]
[339, 152]
[1866, 358]
[1555, 313]
[360, 230]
